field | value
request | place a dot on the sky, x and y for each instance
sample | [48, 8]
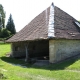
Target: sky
[23, 11]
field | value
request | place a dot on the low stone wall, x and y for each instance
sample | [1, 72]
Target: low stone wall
[18, 49]
[62, 49]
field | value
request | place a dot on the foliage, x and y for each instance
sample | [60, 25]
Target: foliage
[4, 33]
[66, 70]
[2, 17]
[10, 25]
[1, 39]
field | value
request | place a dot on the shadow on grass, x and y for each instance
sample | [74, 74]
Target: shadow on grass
[12, 60]
[56, 66]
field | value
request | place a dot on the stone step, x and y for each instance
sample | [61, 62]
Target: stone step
[41, 62]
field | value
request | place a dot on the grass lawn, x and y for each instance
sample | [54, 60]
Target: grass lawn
[67, 70]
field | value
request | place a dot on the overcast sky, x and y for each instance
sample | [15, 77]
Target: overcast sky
[23, 11]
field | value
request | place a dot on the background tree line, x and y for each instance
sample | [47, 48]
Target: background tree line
[9, 29]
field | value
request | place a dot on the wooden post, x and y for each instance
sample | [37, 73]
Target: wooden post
[26, 59]
[26, 47]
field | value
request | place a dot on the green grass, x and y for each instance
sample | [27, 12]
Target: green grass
[66, 70]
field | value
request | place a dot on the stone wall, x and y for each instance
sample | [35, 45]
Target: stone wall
[62, 49]
[18, 49]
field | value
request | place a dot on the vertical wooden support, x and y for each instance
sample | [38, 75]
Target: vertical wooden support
[26, 59]
[26, 47]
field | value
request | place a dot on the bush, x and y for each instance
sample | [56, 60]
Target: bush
[1, 39]
[4, 33]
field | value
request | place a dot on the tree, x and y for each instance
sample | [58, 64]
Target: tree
[10, 25]
[2, 17]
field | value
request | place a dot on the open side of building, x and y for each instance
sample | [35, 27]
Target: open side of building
[34, 49]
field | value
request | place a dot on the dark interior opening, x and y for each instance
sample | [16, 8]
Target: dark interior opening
[39, 50]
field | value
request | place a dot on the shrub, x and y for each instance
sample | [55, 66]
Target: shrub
[4, 33]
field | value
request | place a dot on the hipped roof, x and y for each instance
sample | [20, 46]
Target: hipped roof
[37, 29]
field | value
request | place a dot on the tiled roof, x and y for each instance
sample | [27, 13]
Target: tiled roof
[64, 27]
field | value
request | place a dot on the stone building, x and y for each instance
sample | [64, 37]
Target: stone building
[53, 34]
